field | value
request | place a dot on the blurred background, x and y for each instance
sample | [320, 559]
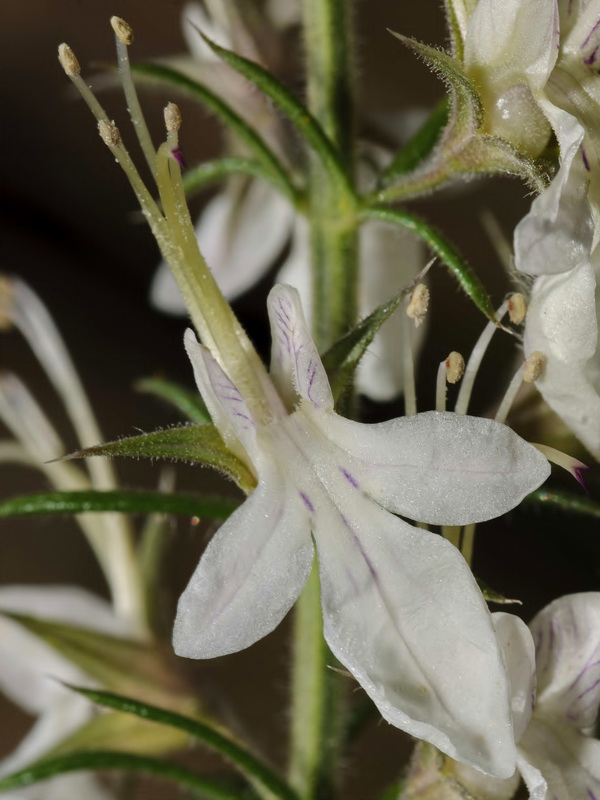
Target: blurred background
[69, 226]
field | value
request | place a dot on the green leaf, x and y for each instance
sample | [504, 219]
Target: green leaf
[242, 759]
[446, 252]
[209, 172]
[298, 114]
[190, 404]
[111, 760]
[342, 358]
[195, 444]
[123, 501]
[565, 501]
[416, 150]
[271, 165]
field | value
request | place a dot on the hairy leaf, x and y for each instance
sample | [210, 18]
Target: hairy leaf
[189, 403]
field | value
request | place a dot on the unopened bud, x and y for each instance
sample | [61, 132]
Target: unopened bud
[517, 308]
[68, 60]
[6, 302]
[172, 118]
[534, 367]
[123, 31]
[417, 306]
[109, 133]
[455, 367]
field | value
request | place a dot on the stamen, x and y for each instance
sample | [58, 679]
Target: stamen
[468, 542]
[517, 308]
[68, 60]
[6, 302]
[451, 370]
[418, 304]
[70, 64]
[466, 388]
[529, 371]
[124, 37]
[408, 366]
[173, 124]
[109, 133]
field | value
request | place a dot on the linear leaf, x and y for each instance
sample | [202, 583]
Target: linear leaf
[296, 112]
[565, 501]
[446, 252]
[195, 444]
[124, 501]
[342, 358]
[416, 150]
[238, 756]
[199, 177]
[189, 403]
[230, 118]
[112, 760]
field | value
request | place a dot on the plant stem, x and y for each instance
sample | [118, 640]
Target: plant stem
[315, 734]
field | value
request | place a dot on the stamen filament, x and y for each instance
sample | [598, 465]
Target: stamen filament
[123, 38]
[474, 362]
[440, 387]
[529, 371]
[408, 368]
[468, 542]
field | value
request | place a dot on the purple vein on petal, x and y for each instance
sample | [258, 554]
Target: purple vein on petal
[349, 477]
[307, 502]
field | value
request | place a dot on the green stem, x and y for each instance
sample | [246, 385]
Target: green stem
[315, 731]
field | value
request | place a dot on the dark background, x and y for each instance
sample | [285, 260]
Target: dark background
[68, 226]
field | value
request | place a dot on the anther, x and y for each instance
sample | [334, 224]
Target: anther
[455, 367]
[517, 308]
[68, 60]
[418, 303]
[109, 133]
[123, 31]
[172, 118]
[534, 367]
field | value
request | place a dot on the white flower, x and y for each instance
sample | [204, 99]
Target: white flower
[401, 609]
[558, 757]
[30, 671]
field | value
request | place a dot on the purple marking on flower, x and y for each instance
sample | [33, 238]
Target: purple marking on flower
[591, 795]
[312, 371]
[349, 477]
[307, 502]
[590, 34]
[178, 156]
[592, 57]
[586, 164]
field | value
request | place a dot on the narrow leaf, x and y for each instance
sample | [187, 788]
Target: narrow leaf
[297, 113]
[239, 757]
[446, 252]
[111, 760]
[342, 358]
[416, 150]
[492, 596]
[189, 403]
[209, 172]
[124, 501]
[565, 501]
[195, 444]
[272, 166]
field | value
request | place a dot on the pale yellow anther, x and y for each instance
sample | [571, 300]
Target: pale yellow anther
[534, 367]
[68, 60]
[418, 303]
[109, 133]
[172, 118]
[517, 308]
[455, 367]
[123, 31]
[6, 302]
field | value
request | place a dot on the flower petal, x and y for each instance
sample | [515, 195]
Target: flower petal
[402, 611]
[296, 367]
[439, 467]
[556, 235]
[562, 324]
[558, 763]
[567, 640]
[519, 655]
[250, 574]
